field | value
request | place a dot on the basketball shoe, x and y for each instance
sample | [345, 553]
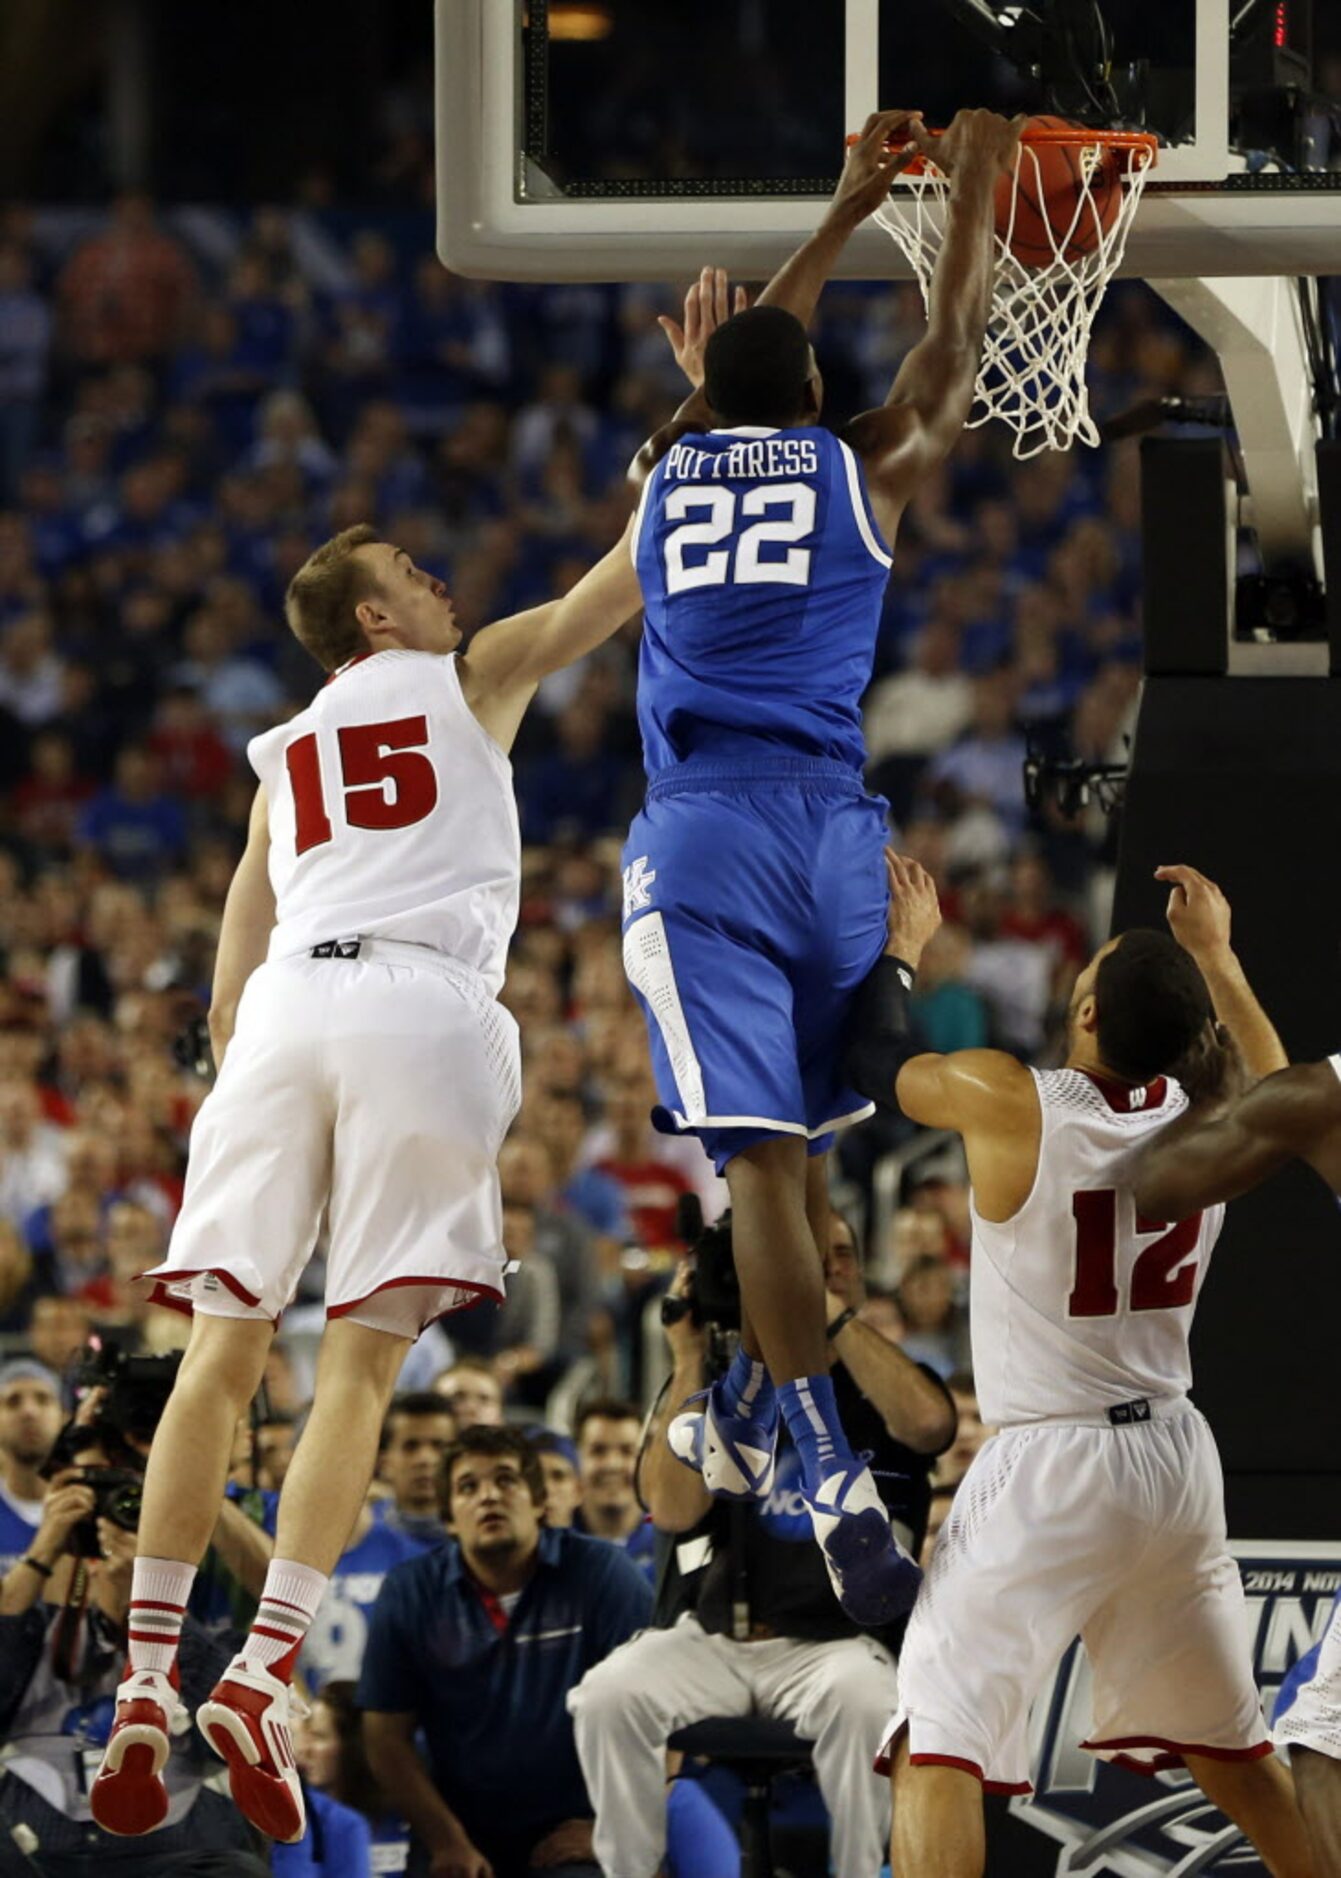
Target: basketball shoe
[735, 1454]
[873, 1578]
[129, 1795]
[246, 1721]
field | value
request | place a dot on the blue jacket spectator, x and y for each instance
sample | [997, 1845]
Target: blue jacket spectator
[478, 1645]
[337, 1843]
[138, 831]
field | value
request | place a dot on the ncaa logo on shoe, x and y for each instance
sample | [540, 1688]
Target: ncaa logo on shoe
[637, 886]
[1110, 1822]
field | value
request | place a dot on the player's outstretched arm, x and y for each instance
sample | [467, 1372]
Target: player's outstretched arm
[244, 935]
[1206, 1157]
[708, 304]
[507, 660]
[1199, 919]
[932, 394]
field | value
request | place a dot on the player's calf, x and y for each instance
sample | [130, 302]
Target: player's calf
[1317, 1785]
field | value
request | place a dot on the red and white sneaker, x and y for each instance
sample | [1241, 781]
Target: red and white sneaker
[129, 1795]
[246, 1722]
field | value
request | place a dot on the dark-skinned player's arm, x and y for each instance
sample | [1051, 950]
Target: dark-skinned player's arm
[883, 149]
[932, 394]
[244, 933]
[984, 1095]
[1199, 919]
[506, 661]
[1208, 1156]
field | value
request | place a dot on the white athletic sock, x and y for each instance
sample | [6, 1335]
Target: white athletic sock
[289, 1602]
[159, 1588]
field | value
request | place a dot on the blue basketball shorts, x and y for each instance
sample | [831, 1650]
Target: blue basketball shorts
[755, 903]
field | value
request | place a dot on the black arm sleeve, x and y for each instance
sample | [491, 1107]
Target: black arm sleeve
[880, 1038]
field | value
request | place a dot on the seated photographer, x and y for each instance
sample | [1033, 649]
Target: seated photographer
[62, 1654]
[759, 1630]
[477, 1644]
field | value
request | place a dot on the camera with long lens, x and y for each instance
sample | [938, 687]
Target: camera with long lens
[137, 1388]
[712, 1295]
[118, 1493]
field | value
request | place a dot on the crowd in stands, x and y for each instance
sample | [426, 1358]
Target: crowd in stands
[187, 406]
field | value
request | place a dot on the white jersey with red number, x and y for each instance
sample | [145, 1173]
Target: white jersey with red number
[1078, 1305]
[392, 816]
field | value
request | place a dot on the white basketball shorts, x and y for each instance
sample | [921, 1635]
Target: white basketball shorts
[1115, 1534]
[372, 1093]
[1308, 1708]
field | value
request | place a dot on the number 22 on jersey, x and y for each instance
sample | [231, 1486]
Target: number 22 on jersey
[1164, 1277]
[788, 510]
[385, 780]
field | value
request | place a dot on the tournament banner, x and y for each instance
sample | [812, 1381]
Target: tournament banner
[1100, 1819]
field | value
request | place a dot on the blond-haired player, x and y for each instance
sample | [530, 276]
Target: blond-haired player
[1098, 1509]
[367, 1076]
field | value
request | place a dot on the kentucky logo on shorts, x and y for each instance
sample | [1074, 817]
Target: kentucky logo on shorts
[637, 886]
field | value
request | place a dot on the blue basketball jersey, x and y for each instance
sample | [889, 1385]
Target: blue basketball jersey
[762, 573]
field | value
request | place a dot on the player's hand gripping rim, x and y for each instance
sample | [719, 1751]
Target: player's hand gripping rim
[888, 143]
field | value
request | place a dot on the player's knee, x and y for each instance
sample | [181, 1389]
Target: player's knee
[225, 1357]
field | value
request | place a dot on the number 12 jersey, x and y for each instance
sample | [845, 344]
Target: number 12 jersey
[762, 573]
[1078, 1304]
[392, 816]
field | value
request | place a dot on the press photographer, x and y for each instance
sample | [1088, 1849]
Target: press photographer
[757, 1629]
[63, 1609]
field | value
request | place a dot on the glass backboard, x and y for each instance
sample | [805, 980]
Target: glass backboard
[632, 139]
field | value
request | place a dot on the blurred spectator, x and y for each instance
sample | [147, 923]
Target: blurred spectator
[653, 1187]
[125, 293]
[452, 1652]
[524, 1330]
[560, 1237]
[558, 1465]
[32, 675]
[417, 1433]
[58, 1331]
[986, 765]
[30, 1419]
[333, 1647]
[607, 1433]
[949, 1013]
[331, 1757]
[473, 1393]
[32, 1153]
[137, 829]
[936, 1322]
[1014, 975]
[25, 342]
[595, 1197]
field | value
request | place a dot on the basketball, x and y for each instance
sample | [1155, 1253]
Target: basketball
[1067, 198]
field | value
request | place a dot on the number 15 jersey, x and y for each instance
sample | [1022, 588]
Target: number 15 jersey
[392, 816]
[762, 573]
[1077, 1303]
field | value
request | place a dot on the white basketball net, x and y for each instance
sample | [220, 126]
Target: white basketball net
[1038, 336]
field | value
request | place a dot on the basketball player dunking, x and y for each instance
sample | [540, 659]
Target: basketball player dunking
[1214, 1152]
[755, 890]
[367, 1075]
[1098, 1510]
